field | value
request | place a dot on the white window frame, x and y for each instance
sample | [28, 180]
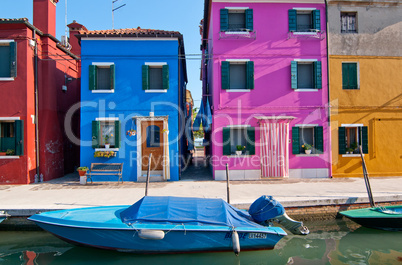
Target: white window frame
[357, 72]
[105, 91]
[156, 64]
[304, 10]
[7, 78]
[237, 61]
[357, 126]
[306, 61]
[4, 119]
[106, 119]
[308, 126]
[237, 10]
[237, 126]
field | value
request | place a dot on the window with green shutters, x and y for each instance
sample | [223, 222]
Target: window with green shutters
[351, 137]
[349, 76]
[155, 77]
[8, 59]
[237, 75]
[238, 136]
[304, 20]
[106, 132]
[12, 137]
[102, 77]
[306, 75]
[236, 20]
[311, 135]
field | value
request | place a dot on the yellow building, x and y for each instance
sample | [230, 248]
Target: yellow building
[365, 69]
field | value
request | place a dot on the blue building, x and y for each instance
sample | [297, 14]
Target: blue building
[133, 84]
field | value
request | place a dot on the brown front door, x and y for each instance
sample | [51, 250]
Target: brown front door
[152, 142]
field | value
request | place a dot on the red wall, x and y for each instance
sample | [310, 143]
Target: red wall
[18, 101]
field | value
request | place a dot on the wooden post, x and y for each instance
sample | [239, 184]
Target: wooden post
[148, 173]
[366, 178]
[227, 183]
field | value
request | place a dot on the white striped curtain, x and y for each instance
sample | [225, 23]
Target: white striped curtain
[275, 149]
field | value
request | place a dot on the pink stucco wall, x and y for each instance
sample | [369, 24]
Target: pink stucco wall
[272, 52]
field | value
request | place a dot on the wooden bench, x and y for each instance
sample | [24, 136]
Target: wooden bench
[106, 169]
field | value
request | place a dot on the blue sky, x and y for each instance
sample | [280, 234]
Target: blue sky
[179, 15]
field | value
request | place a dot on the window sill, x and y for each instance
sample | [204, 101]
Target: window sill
[9, 157]
[103, 91]
[238, 90]
[313, 32]
[306, 155]
[6, 78]
[107, 149]
[307, 90]
[351, 155]
[156, 91]
[237, 32]
[234, 155]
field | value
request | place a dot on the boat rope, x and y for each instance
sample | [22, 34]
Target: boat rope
[175, 227]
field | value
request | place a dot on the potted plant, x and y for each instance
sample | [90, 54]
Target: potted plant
[239, 149]
[307, 148]
[105, 154]
[10, 152]
[349, 151]
[353, 147]
[82, 171]
[107, 143]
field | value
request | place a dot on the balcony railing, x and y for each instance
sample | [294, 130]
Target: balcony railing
[237, 34]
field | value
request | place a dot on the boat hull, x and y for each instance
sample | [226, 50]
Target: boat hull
[111, 233]
[373, 218]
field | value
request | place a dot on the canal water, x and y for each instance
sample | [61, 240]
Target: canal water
[330, 242]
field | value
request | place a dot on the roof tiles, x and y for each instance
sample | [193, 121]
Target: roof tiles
[131, 32]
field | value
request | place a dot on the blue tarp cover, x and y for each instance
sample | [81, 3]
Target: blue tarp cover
[190, 211]
[265, 208]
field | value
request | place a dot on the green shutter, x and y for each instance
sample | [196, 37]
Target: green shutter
[117, 134]
[316, 20]
[13, 59]
[342, 140]
[364, 139]
[293, 70]
[349, 76]
[250, 148]
[224, 19]
[95, 134]
[226, 141]
[317, 75]
[145, 77]
[165, 76]
[92, 77]
[319, 139]
[353, 76]
[112, 77]
[249, 19]
[295, 141]
[292, 20]
[250, 74]
[19, 137]
[225, 75]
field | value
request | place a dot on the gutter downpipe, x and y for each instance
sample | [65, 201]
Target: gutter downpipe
[36, 106]
[329, 97]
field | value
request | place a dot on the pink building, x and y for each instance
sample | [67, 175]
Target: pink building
[265, 75]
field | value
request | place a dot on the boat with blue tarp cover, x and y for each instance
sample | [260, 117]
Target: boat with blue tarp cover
[162, 225]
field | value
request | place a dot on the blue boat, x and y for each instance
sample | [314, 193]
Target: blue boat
[162, 225]
[3, 216]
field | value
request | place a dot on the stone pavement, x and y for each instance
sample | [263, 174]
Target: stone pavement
[66, 192]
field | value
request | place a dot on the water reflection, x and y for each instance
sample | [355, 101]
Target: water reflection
[334, 242]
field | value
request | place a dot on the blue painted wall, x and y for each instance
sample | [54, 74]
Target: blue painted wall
[129, 99]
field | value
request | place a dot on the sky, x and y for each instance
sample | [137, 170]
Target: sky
[176, 15]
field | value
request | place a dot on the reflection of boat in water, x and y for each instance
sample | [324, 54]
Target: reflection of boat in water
[3, 216]
[369, 246]
[169, 224]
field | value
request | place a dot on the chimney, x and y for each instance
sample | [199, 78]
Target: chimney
[75, 29]
[44, 16]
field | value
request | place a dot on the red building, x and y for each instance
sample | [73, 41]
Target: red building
[39, 83]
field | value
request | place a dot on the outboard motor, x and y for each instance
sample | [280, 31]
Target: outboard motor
[266, 209]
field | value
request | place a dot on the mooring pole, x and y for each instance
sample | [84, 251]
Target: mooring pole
[148, 173]
[227, 183]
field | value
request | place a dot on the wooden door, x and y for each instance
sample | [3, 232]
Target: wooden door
[152, 142]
